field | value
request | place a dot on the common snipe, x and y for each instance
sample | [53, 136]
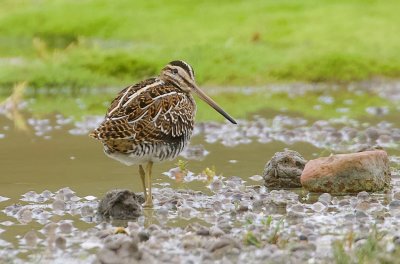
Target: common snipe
[153, 120]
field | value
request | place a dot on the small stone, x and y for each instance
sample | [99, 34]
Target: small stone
[216, 185]
[163, 212]
[223, 242]
[343, 202]
[396, 195]
[24, 215]
[295, 215]
[133, 226]
[318, 207]
[87, 211]
[58, 205]
[242, 208]
[363, 196]
[284, 170]
[225, 226]
[143, 236]
[65, 227]
[119, 249]
[361, 214]
[46, 194]
[394, 205]
[348, 173]
[50, 229]
[325, 198]
[297, 208]
[372, 133]
[31, 238]
[216, 231]
[191, 242]
[258, 205]
[256, 178]
[61, 242]
[30, 196]
[103, 234]
[303, 238]
[90, 198]
[363, 206]
[203, 231]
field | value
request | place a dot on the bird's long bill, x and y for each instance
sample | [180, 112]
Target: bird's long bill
[213, 104]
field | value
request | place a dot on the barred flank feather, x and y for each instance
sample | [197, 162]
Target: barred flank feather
[152, 119]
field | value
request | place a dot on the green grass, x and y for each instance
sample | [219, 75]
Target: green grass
[372, 250]
[98, 43]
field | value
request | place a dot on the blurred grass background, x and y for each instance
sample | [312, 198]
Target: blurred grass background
[98, 43]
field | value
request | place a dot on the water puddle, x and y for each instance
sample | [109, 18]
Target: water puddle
[53, 174]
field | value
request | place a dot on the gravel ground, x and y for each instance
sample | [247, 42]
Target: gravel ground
[234, 223]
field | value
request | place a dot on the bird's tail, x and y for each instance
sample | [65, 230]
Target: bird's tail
[94, 134]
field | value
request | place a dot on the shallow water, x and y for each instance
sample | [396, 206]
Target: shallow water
[48, 151]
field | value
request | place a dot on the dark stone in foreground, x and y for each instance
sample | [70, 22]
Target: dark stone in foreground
[284, 170]
[120, 205]
[348, 173]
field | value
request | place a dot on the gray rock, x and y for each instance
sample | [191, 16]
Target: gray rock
[121, 205]
[143, 236]
[284, 170]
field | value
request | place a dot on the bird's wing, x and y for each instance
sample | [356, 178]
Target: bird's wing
[150, 111]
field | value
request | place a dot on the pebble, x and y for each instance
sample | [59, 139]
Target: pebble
[363, 196]
[325, 198]
[395, 206]
[223, 242]
[297, 208]
[24, 215]
[31, 238]
[143, 236]
[65, 227]
[61, 242]
[396, 195]
[361, 214]
[318, 207]
[363, 206]
[216, 231]
[87, 211]
[203, 231]
[58, 205]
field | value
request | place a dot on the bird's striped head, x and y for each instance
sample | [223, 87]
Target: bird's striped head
[181, 75]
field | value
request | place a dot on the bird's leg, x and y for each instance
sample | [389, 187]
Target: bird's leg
[149, 199]
[143, 177]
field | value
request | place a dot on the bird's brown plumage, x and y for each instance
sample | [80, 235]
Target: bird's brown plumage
[151, 111]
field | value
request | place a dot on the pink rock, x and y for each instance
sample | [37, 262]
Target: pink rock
[348, 173]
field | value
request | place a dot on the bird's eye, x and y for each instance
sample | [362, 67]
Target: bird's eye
[174, 71]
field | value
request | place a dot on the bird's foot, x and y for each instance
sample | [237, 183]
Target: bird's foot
[148, 203]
